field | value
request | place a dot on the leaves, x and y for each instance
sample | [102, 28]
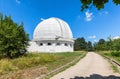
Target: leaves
[99, 4]
[81, 44]
[13, 37]
[113, 45]
[117, 2]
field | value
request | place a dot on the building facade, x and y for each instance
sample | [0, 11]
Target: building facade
[52, 35]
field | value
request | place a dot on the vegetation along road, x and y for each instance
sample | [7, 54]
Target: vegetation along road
[92, 65]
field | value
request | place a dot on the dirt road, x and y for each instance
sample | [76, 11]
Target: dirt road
[91, 64]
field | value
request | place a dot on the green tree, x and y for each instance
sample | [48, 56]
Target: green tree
[100, 45]
[89, 46]
[109, 43]
[101, 41]
[80, 44]
[99, 4]
[13, 38]
[116, 44]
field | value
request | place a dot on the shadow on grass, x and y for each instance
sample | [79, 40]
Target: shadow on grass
[96, 76]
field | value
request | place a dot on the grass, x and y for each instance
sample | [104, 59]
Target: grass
[49, 60]
[71, 63]
[110, 55]
[115, 68]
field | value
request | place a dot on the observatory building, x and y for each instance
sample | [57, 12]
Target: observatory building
[52, 35]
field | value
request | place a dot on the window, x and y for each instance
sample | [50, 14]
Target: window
[57, 44]
[41, 44]
[66, 44]
[49, 44]
[70, 45]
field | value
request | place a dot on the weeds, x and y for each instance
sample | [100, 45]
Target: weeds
[50, 60]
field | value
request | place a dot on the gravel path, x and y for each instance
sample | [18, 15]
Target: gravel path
[91, 64]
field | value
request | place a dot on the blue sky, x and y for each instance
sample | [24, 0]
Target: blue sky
[90, 24]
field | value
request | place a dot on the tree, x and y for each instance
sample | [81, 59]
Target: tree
[101, 41]
[89, 46]
[77, 44]
[13, 38]
[109, 43]
[101, 45]
[99, 4]
[80, 44]
[116, 44]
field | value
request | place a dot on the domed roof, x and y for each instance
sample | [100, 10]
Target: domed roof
[52, 29]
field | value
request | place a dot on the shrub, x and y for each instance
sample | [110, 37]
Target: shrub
[6, 65]
[13, 38]
[116, 53]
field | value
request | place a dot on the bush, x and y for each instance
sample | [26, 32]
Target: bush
[13, 38]
[31, 60]
[6, 65]
[116, 53]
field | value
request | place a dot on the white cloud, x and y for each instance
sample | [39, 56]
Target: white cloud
[95, 40]
[116, 37]
[92, 37]
[104, 13]
[88, 16]
[18, 1]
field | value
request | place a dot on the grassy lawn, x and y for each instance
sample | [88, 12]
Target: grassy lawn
[108, 54]
[37, 60]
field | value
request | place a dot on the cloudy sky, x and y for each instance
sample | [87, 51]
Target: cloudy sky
[90, 24]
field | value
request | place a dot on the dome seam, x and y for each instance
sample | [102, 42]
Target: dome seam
[60, 26]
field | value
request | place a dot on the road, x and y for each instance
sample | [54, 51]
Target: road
[91, 65]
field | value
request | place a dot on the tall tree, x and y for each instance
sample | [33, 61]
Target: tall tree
[116, 44]
[13, 38]
[80, 44]
[99, 4]
[100, 45]
[89, 46]
[109, 43]
[101, 41]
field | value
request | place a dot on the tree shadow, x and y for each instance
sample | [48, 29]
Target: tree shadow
[96, 76]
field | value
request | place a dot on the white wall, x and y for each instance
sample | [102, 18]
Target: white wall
[35, 47]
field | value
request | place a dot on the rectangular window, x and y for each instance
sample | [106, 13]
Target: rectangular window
[70, 45]
[41, 44]
[49, 44]
[66, 44]
[57, 44]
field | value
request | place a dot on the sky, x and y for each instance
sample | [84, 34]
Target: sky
[90, 24]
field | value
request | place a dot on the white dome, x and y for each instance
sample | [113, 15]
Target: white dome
[52, 29]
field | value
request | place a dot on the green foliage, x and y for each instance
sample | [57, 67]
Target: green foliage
[101, 45]
[116, 44]
[117, 2]
[6, 66]
[116, 53]
[89, 46]
[80, 44]
[101, 41]
[13, 38]
[115, 68]
[111, 44]
[99, 4]
[112, 54]
[50, 60]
